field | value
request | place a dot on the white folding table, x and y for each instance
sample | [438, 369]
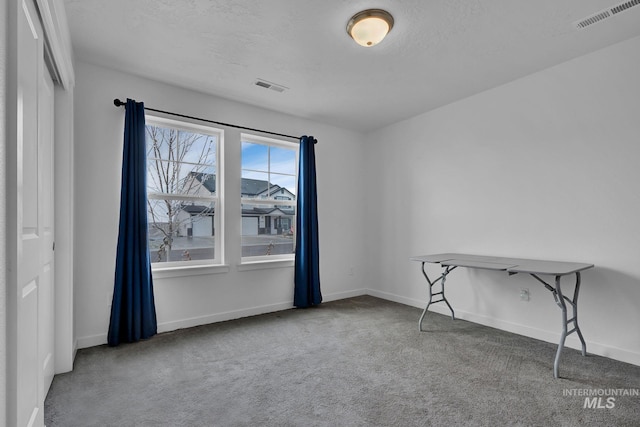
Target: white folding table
[535, 268]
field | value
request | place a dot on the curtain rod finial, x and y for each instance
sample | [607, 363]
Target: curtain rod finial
[118, 103]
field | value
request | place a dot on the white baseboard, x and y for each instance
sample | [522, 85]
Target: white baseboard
[600, 349]
[94, 340]
[344, 295]
[75, 352]
[396, 298]
[246, 312]
[221, 317]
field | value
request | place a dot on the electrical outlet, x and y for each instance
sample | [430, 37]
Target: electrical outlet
[350, 271]
[524, 294]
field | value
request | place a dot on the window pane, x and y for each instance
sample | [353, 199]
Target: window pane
[180, 162]
[181, 230]
[169, 177]
[181, 168]
[255, 156]
[198, 148]
[267, 230]
[283, 160]
[181, 146]
[269, 175]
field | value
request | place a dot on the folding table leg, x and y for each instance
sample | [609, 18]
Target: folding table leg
[442, 279]
[561, 300]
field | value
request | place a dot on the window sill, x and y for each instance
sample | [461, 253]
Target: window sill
[263, 264]
[191, 270]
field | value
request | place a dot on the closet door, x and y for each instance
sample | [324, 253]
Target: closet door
[31, 185]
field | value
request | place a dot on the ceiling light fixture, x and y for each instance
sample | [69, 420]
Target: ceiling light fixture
[370, 26]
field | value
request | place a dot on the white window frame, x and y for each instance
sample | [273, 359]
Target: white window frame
[218, 218]
[255, 139]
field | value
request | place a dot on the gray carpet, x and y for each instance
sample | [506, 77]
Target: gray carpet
[354, 362]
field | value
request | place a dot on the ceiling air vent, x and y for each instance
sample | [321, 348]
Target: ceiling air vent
[624, 6]
[273, 86]
[606, 13]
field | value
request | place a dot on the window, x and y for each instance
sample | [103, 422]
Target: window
[183, 190]
[269, 174]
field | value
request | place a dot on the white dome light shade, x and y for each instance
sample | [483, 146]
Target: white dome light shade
[369, 27]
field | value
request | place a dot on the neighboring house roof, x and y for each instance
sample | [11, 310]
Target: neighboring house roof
[198, 209]
[253, 187]
[267, 211]
[276, 189]
[249, 187]
[208, 180]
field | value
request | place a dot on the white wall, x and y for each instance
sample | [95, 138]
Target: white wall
[3, 211]
[544, 167]
[194, 300]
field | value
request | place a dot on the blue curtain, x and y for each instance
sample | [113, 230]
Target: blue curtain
[133, 311]
[307, 265]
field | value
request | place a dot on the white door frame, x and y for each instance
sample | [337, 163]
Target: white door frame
[58, 41]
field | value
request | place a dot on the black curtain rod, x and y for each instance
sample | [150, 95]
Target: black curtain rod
[119, 103]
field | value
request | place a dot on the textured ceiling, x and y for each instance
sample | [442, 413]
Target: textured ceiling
[439, 51]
